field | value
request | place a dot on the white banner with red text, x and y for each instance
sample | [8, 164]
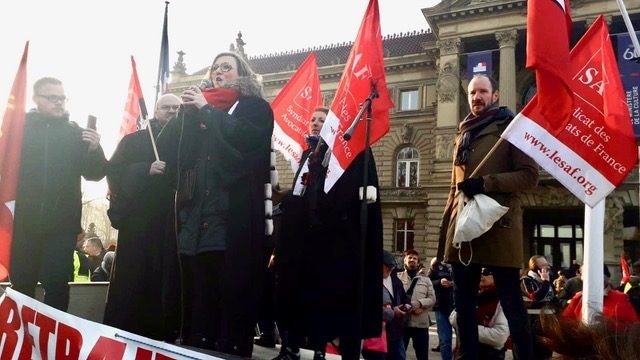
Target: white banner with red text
[30, 329]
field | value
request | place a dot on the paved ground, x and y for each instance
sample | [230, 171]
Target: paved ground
[262, 353]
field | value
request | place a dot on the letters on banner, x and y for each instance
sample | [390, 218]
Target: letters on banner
[596, 149]
[32, 330]
[292, 109]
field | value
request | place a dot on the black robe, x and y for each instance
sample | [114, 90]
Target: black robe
[143, 295]
[321, 291]
[230, 156]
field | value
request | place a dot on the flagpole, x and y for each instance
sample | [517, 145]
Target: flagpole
[365, 106]
[593, 288]
[487, 157]
[153, 141]
[632, 33]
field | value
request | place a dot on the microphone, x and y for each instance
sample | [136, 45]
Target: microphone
[205, 84]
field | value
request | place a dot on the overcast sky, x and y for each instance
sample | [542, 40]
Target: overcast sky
[88, 43]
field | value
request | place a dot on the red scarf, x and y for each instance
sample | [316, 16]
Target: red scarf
[221, 98]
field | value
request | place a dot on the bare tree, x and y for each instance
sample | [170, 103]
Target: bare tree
[95, 212]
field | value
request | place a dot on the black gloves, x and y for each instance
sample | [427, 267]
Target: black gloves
[472, 186]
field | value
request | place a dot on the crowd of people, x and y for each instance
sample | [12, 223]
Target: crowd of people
[192, 196]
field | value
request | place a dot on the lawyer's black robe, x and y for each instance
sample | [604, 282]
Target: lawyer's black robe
[230, 155]
[144, 291]
[318, 258]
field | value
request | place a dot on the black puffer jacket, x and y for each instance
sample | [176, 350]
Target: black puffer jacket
[54, 157]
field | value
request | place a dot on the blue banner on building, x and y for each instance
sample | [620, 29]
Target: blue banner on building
[630, 74]
[479, 63]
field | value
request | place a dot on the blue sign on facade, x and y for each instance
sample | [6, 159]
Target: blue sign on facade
[630, 74]
[479, 63]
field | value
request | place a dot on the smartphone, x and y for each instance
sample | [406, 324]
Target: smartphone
[406, 307]
[91, 122]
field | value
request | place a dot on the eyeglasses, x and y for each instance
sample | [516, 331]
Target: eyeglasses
[486, 272]
[224, 67]
[54, 98]
[169, 107]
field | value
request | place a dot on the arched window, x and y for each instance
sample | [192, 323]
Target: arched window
[407, 164]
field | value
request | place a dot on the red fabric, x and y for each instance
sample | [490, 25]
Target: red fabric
[132, 107]
[332, 349]
[377, 344]
[626, 274]
[221, 98]
[602, 99]
[363, 71]
[293, 107]
[599, 133]
[11, 135]
[615, 307]
[548, 35]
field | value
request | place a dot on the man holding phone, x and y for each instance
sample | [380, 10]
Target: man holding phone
[56, 153]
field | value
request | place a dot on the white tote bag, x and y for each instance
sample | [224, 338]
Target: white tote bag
[475, 217]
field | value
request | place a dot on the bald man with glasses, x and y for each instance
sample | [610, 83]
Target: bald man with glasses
[141, 208]
[56, 154]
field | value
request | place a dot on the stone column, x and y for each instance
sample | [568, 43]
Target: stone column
[507, 42]
[448, 86]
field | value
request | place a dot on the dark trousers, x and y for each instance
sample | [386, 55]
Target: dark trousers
[420, 337]
[395, 348]
[46, 257]
[350, 348]
[467, 280]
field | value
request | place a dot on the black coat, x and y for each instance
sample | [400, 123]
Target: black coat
[319, 255]
[230, 154]
[395, 327]
[54, 158]
[444, 295]
[141, 208]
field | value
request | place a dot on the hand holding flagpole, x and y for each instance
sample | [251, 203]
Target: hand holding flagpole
[364, 106]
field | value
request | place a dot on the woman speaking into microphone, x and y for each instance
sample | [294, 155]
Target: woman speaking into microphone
[218, 149]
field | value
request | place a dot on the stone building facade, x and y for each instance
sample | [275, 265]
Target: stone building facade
[426, 76]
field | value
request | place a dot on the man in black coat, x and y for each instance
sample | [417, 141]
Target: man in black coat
[56, 153]
[141, 208]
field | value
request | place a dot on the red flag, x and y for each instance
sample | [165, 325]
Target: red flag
[626, 274]
[292, 109]
[548, 36]
[363, 72]
[11, 134]
[596, 149]
[135, 105]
